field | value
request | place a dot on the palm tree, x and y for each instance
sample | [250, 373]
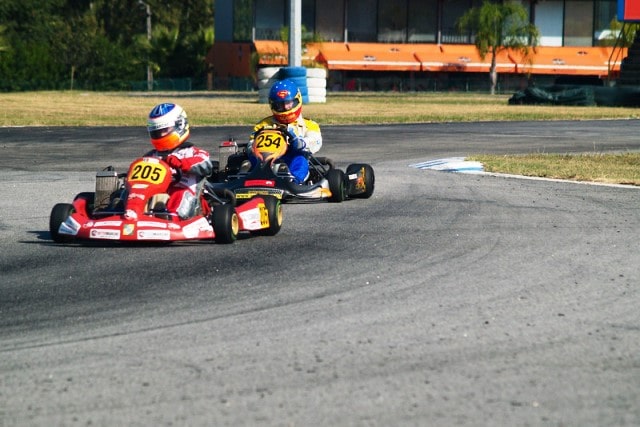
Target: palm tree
[498, 27]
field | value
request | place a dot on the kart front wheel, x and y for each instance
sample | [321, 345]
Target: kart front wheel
[59, 214]
[336, 185]
[226, 224]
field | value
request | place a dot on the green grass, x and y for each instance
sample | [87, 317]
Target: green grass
[605, 168]
[77, 108]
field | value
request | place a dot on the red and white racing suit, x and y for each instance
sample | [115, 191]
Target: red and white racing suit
[195, 166]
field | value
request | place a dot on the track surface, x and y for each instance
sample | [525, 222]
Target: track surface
[445, 299]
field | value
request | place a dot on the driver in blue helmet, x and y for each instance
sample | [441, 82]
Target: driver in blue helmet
[285, 101]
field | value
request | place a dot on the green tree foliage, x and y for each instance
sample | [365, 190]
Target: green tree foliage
[498, 27]
[242, 19]
[101, 44]
[623, 33]
[3, 43]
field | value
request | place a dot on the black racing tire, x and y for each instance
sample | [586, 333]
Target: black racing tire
[226, 224]
[59, 214]
[369, 179]
[274, 208]
[337, 185]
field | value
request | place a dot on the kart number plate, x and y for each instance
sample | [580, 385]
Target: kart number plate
[147, 171]
[270, 141]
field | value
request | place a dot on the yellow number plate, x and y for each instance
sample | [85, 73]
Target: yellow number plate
[147, 170]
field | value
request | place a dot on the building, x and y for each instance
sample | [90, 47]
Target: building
[413, 44]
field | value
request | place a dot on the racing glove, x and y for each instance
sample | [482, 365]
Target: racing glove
[298, 143]
[174, 162]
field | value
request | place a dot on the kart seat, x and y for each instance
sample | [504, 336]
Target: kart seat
[156, 200]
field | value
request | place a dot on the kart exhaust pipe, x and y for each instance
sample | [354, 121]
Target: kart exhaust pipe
[106, 184]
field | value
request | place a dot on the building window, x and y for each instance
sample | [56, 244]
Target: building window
[452, 11]
[548, 19]
[605, 13]
[330, 20]
[392, 21]
[578, 23]
[422, 21]
[308, 15]
[270, 19]
[361, 21]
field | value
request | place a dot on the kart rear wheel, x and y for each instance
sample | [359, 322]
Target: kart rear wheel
[336, 185]
[274, 208]
[59, 214]
[368, 177]
[226, 224]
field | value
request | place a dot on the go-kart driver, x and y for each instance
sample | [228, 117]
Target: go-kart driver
[169, 131]
[285, 101]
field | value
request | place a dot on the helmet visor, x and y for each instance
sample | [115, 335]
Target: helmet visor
[159, 133]
[283, 106]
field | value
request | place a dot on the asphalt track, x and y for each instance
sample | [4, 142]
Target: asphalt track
[445, 299]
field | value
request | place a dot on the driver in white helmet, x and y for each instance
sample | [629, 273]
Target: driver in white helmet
[169, 131]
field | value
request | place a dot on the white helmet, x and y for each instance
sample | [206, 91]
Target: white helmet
[168, 126]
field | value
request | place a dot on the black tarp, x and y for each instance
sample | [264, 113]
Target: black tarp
[616, 96]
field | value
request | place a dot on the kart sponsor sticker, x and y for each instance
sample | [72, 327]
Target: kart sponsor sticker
[70, 226]
[127, 230]
[259, 183]
[264, 215]
[154, 235]
[248, 194]
[193, 230]
[155, 224]
[315, 193]
[107, 224]
[253, 219]
[359, 180]
[106, 234]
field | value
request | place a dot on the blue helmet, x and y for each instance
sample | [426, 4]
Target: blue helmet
[285, 101]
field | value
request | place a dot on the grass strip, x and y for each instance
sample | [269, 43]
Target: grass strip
[76, 108]
[621, 168]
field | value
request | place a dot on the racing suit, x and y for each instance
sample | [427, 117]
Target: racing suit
[309, 140]
[194, 164]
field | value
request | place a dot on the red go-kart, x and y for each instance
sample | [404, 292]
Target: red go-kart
[131, 207]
